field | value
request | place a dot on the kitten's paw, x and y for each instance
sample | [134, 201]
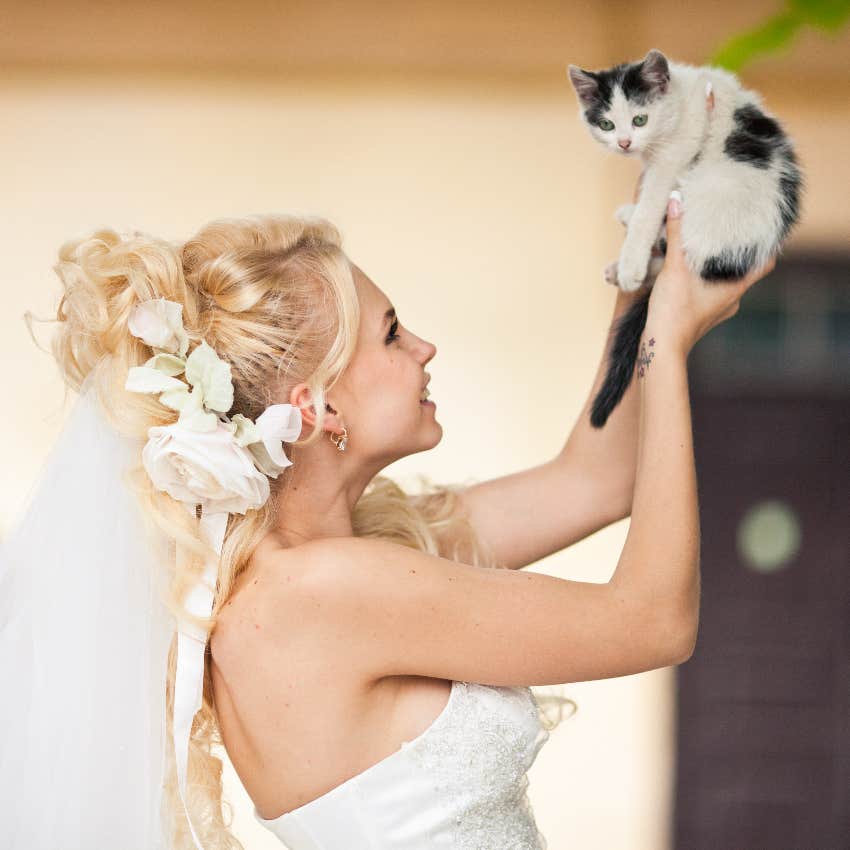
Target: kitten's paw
[630, 274]
[611, 273]
[624, 213]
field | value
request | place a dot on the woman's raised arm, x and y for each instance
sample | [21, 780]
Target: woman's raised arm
[661, 553]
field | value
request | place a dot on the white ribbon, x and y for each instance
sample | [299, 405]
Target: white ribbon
[191, 646]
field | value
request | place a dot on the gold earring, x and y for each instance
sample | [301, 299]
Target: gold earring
[340, 440]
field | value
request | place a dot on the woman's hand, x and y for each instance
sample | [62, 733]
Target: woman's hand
[681, 301]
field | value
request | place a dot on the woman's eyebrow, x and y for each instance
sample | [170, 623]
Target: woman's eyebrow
[390, 314]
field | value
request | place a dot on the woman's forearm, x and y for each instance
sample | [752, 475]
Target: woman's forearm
[660, 559]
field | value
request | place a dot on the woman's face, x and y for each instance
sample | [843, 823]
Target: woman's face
[378, 397]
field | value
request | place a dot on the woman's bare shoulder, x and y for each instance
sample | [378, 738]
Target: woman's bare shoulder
[268, 592]
[273, 622]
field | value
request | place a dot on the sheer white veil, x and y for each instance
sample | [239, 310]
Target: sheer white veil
[84, 643]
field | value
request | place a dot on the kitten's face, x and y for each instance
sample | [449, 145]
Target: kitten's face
[626, 107]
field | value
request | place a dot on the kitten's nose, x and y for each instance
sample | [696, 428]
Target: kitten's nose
[625, 144]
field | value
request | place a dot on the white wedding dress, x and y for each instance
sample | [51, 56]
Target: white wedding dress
[461, 784]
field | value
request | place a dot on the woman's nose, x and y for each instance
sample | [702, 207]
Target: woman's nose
[429, 350]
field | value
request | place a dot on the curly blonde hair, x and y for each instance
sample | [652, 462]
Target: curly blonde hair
[274, 296]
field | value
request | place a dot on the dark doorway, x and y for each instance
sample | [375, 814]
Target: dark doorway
[763, 755]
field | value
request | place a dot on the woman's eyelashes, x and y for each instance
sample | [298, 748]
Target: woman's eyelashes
[393, 336]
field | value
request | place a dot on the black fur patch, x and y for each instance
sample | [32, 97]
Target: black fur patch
[755, 138]
[743, 148]
[594, 114]
[750, 119]
[728, 266]
[790, 186]
[636, 87]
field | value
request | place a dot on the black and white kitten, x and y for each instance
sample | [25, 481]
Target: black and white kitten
[734, 166]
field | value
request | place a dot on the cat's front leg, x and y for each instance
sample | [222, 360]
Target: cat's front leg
[643, 230]
[632, 265]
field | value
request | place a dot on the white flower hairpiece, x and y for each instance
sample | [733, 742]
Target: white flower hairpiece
[204, 458]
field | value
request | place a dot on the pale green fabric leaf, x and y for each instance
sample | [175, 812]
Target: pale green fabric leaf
[142, 379]
[193, 415]
[198, 420]
[264, 461]
[206, 371]
[168, 364]
[246, 432]
[177, 398]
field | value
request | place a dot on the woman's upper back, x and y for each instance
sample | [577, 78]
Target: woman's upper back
[305, 726]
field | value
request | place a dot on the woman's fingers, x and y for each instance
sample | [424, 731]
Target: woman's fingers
[709, 97]
[674, 258]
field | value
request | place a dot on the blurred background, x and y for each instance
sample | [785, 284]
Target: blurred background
[443, 139]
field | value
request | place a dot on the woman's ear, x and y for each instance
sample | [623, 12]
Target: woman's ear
[301, 397]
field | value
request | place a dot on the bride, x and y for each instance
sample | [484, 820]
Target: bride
[365, 655]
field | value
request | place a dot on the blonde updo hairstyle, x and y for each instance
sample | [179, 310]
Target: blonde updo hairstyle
[274, 296]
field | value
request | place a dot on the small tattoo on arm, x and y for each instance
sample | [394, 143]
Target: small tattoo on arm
[643, 359]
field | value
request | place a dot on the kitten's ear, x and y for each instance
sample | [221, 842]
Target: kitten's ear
[655, 70]
[585, 84]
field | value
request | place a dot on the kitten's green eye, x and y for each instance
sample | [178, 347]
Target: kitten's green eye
[605, 124]
[639, 120]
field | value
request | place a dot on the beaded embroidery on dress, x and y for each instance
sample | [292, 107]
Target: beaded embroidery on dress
[461, 784]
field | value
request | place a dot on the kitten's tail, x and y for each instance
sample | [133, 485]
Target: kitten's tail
[621, 361]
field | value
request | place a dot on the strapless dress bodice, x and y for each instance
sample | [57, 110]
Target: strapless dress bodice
[461, 784]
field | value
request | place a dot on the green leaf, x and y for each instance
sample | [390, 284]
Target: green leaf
[771, 36]
[827, 15]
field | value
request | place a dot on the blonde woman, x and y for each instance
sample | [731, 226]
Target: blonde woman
[370, 652]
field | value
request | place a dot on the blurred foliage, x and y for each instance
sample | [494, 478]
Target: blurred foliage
[779, 31]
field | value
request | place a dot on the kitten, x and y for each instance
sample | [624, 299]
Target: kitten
[734, 166]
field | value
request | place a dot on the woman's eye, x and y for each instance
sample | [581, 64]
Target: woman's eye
[393, 335]
[639, 120]
[606, 124]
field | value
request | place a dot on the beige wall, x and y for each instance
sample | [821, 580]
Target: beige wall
[472, 197]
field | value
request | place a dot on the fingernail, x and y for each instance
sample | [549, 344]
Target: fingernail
[674, 205]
